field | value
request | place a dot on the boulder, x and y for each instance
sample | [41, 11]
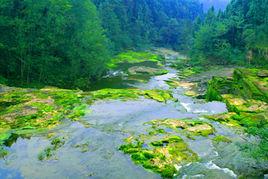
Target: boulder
[263, 73]
[138, 70]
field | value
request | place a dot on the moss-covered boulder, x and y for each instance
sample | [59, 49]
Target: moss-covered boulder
[250, 84]
[164, 156]
[240, 104]
[132, 57]
[27, 111]
[178, 83]
[190, 127]
[185, 72]
[246, 96]
[221, 139]
[143, 70]
[262, 73]
[130, 94]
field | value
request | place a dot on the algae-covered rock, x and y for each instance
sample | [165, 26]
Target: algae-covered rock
[49, 152]
[218, 86]
[178, 83]
[3, 152]
[245, 105]
[158, 95]
[220, 138]
[171, 123]
[225, 118]
[250, 85]
[201, 129]
[27, 111]
[189, 71]
[191, 93]
[130, 94]
[134, 58]
[143, 70]
[191, 127]
[164, 156]
[262, 73]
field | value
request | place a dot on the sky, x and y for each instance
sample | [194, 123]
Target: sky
[218, 4]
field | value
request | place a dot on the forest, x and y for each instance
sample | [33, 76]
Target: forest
[134, 89]
[80, 37]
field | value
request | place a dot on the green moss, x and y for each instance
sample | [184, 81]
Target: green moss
[144, 70]
[246, 97]
[191, 127]
[3, 152]
[163, 155]
[189, 71]
[221, 138]
[77, 112]
[83, 147]
[218, 86]
[251, 85]
[3, 137]
[133, 57]
[130, 94]
[225, 119]
[158, 95]
[26, 111]
[49, 152]
[156, 131]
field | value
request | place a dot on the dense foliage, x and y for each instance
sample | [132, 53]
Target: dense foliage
[52, 42]
[68, 43]
[217, 4]
[237, 35]
[142, 23]
[63, 42]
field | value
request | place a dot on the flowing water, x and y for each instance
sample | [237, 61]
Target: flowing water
[103, 129]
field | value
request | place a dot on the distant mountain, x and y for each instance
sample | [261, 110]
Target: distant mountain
[218, 4]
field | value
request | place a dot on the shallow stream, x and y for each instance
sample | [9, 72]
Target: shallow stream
[91, 145]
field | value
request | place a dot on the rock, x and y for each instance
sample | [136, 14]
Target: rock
[202, 129]
[164, 156]
[262, 73]
[191, 93]
[136, 70]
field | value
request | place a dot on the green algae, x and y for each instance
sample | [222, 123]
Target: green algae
[245, 83]
[130, 94]
[133, 57]
[185, 72]
[3, 152]
[164, 156]
[246, 98]
[191, 93]
[162, 151]
[220, 138]
[143, 70]
[83, 147]
[190, 127]
[225, 118]
[49, 152]
[40, 108]
[28, 111]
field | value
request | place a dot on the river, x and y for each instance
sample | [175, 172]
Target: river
[91, 145]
